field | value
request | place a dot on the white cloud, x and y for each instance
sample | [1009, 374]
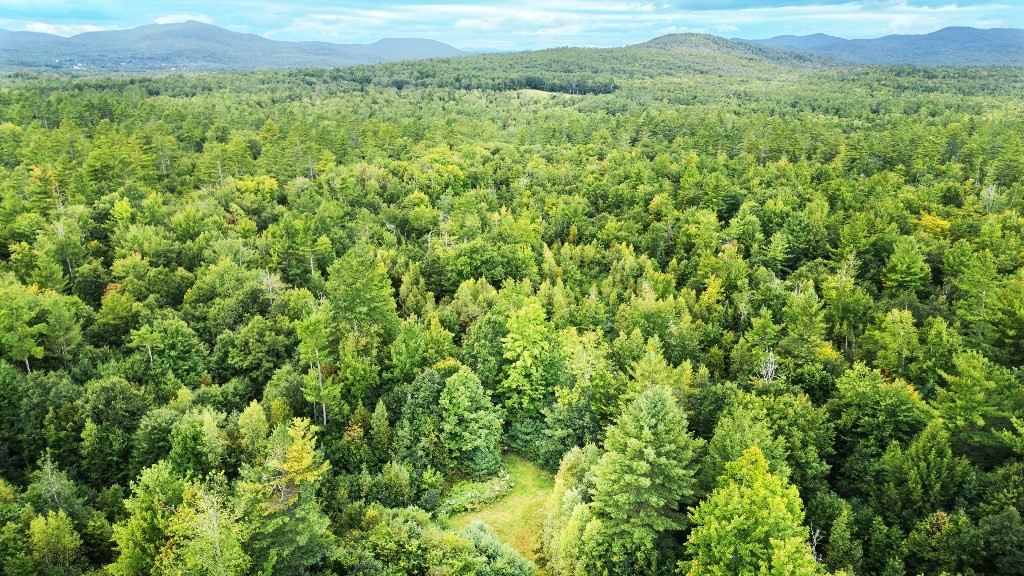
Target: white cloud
[177, 18]
[62, 29]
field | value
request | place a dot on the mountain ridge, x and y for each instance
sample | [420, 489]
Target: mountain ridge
[950, 46]
[198, 46]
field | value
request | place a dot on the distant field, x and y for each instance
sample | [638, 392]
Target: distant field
[531, 93]
[519, 517]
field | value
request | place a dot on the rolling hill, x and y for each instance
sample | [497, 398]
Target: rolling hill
[954, 46]
[197, 46]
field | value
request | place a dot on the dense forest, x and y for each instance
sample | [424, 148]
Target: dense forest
[762, 315]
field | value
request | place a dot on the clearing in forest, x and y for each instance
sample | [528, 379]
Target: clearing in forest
[518, 518]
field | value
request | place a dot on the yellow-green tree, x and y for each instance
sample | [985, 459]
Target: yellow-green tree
[751, 524]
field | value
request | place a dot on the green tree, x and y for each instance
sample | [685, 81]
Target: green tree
[144, 534]
[924, 478]
[644, 479]
[207, 534]
[362, 295]
[21, 325]
[252, 432]
[906, 268]
[1009, 320]
[804, 340]
[54, 542]
[287, 531]
[843, 551]
[530, 347]
[976, 399]
[199, 444]
[896, 343]
[315, 339]
[739, 428]
[470, 425]
[110, 412]
[751, 524]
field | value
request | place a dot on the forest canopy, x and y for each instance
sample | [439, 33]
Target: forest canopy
[761, 315]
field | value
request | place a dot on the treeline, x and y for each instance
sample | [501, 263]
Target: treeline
[272, 322]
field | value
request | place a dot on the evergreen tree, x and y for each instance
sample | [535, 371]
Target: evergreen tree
[906, 269]
[644, 480]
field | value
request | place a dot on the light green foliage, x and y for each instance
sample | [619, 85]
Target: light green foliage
[530, 347]
[590, 399]
[418, 346]
[54, 542]
[143, 535]
[252, 431]
[975, 399]
[380, 429]
[872, 411]
[199, 444]
[207, 535]
[807, 435]
[741, 427]
[897, 343]
[569, 509]
[750, 524]
[315, 345]
[362, 296]
[906, 268]
[287, 532]
[846, 303]
[21, 327]
[500, 557]
[805, 327]
[294, 463]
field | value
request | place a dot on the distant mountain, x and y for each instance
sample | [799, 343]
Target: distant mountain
[197, 46]
[705, 47]
[954, 46]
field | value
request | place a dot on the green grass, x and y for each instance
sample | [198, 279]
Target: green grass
[518, 518]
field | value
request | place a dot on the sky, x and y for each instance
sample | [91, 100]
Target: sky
[522, 24]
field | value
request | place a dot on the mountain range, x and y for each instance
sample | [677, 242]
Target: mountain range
[195, 46]
[954, 46]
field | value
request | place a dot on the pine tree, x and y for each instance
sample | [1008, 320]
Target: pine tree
[906, 268]
[645, 477]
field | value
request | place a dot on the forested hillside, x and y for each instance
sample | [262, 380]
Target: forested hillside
[194, 46]
[762, 316]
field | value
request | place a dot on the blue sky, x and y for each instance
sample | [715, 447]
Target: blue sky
[523, 24]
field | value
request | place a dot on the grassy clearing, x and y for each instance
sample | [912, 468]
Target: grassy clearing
[534, 94]
[519, 517]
